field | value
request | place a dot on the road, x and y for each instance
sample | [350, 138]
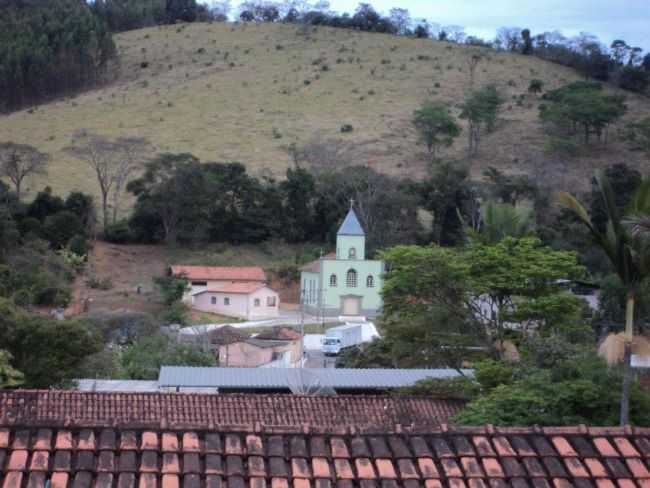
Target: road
[316, 359]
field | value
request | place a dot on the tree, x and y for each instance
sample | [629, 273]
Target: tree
[638, 135]
[113, 162]
[18, 161]
[142, 359]
[629, 257]
[9, 376]
[620, 51]
[480, 109]
[479, 291]
[61, 227]
[436, 126]
[634, 79]
[535, 86]
[582, 107]
[299, 191]
[527, 42]
[174, 187]
[575, 388]
[499, 220]
[401, 19]
[172, 288]
[509, 38]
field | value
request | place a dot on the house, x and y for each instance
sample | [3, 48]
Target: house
[103, 440]
[233, 291]
[343, 283]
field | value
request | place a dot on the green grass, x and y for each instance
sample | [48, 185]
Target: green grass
[248, 105]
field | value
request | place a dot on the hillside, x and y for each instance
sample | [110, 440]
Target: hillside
[245, 92]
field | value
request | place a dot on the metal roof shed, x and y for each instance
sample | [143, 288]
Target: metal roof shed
[242, 379]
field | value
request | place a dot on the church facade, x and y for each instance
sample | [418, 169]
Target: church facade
[345, 282]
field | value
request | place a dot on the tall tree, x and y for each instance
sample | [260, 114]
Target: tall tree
[629, 257]
[19, 161]
[480, 109]
[436, 126]
[112, 161]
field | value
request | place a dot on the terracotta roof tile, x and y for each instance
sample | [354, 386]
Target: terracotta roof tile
[225, 273]
[136, 454]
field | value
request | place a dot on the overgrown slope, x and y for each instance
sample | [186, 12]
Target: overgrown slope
[246, 92]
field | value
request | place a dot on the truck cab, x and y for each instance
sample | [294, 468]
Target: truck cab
[331, 345]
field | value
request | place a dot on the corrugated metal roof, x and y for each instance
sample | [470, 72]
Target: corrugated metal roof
[279, 378]
[116, 385]
[351, 225]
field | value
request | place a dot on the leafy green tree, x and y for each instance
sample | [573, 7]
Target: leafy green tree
[583, 108]
[476, 294]
[480, 109]
[299, 191]
[436, 126]
[142, 359]
[629, 257]
[9, 376]
[47, 351]
[171, 288]
[61, 227]
[577, 389]
[527, 42]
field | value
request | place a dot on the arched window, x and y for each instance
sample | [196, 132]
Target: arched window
[333, 280]
[351, 279]
[352, 253]
[370, 281]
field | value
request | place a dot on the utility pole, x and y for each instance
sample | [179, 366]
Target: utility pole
[302, 327]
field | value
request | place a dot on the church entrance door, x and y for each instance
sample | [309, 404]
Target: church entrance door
[351, 305]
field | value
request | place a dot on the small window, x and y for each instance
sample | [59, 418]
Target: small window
[370, 281]
[199, 283]
[256, 302]
[213, 300]
[352, 253]
[351, 279]
[270, 301]
[226, 301]
[333, 280]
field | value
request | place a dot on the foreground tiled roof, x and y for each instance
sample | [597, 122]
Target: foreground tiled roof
[242, 273]
[132, 457]
[201, 410]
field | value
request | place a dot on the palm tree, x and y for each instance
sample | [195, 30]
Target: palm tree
[628, 254]
[499, 220]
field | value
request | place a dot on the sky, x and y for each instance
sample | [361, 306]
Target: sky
[608, 19]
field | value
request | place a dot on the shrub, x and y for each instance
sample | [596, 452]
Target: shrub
[176, 314]
[535, 86]
[144, 64]
[23, 297]
[347, 128]
[78, 245]
[119, 233]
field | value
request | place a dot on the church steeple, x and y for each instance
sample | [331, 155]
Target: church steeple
[350, 239]
[351, 225]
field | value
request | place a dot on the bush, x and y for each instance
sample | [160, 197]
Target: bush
[23, 298]
[119, 233]
[459, 388]
[535, 86]
[61, 227]
[78, 245]
[176, 314]
[347, 128]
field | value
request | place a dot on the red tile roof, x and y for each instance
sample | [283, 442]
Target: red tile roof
[226, 273]
[314, 266]
[43, 407]
[238, 288]
[293, 457]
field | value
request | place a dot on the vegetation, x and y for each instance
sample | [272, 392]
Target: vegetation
[48, 49]
[435, 126]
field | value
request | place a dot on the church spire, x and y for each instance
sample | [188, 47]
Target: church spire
[351, 225]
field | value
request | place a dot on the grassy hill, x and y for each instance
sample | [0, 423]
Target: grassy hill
[245, 92]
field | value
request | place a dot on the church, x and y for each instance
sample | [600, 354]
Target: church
[345, 282]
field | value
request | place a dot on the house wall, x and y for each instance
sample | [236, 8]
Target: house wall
[241, 305]
[263, 310]
[211, 284]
